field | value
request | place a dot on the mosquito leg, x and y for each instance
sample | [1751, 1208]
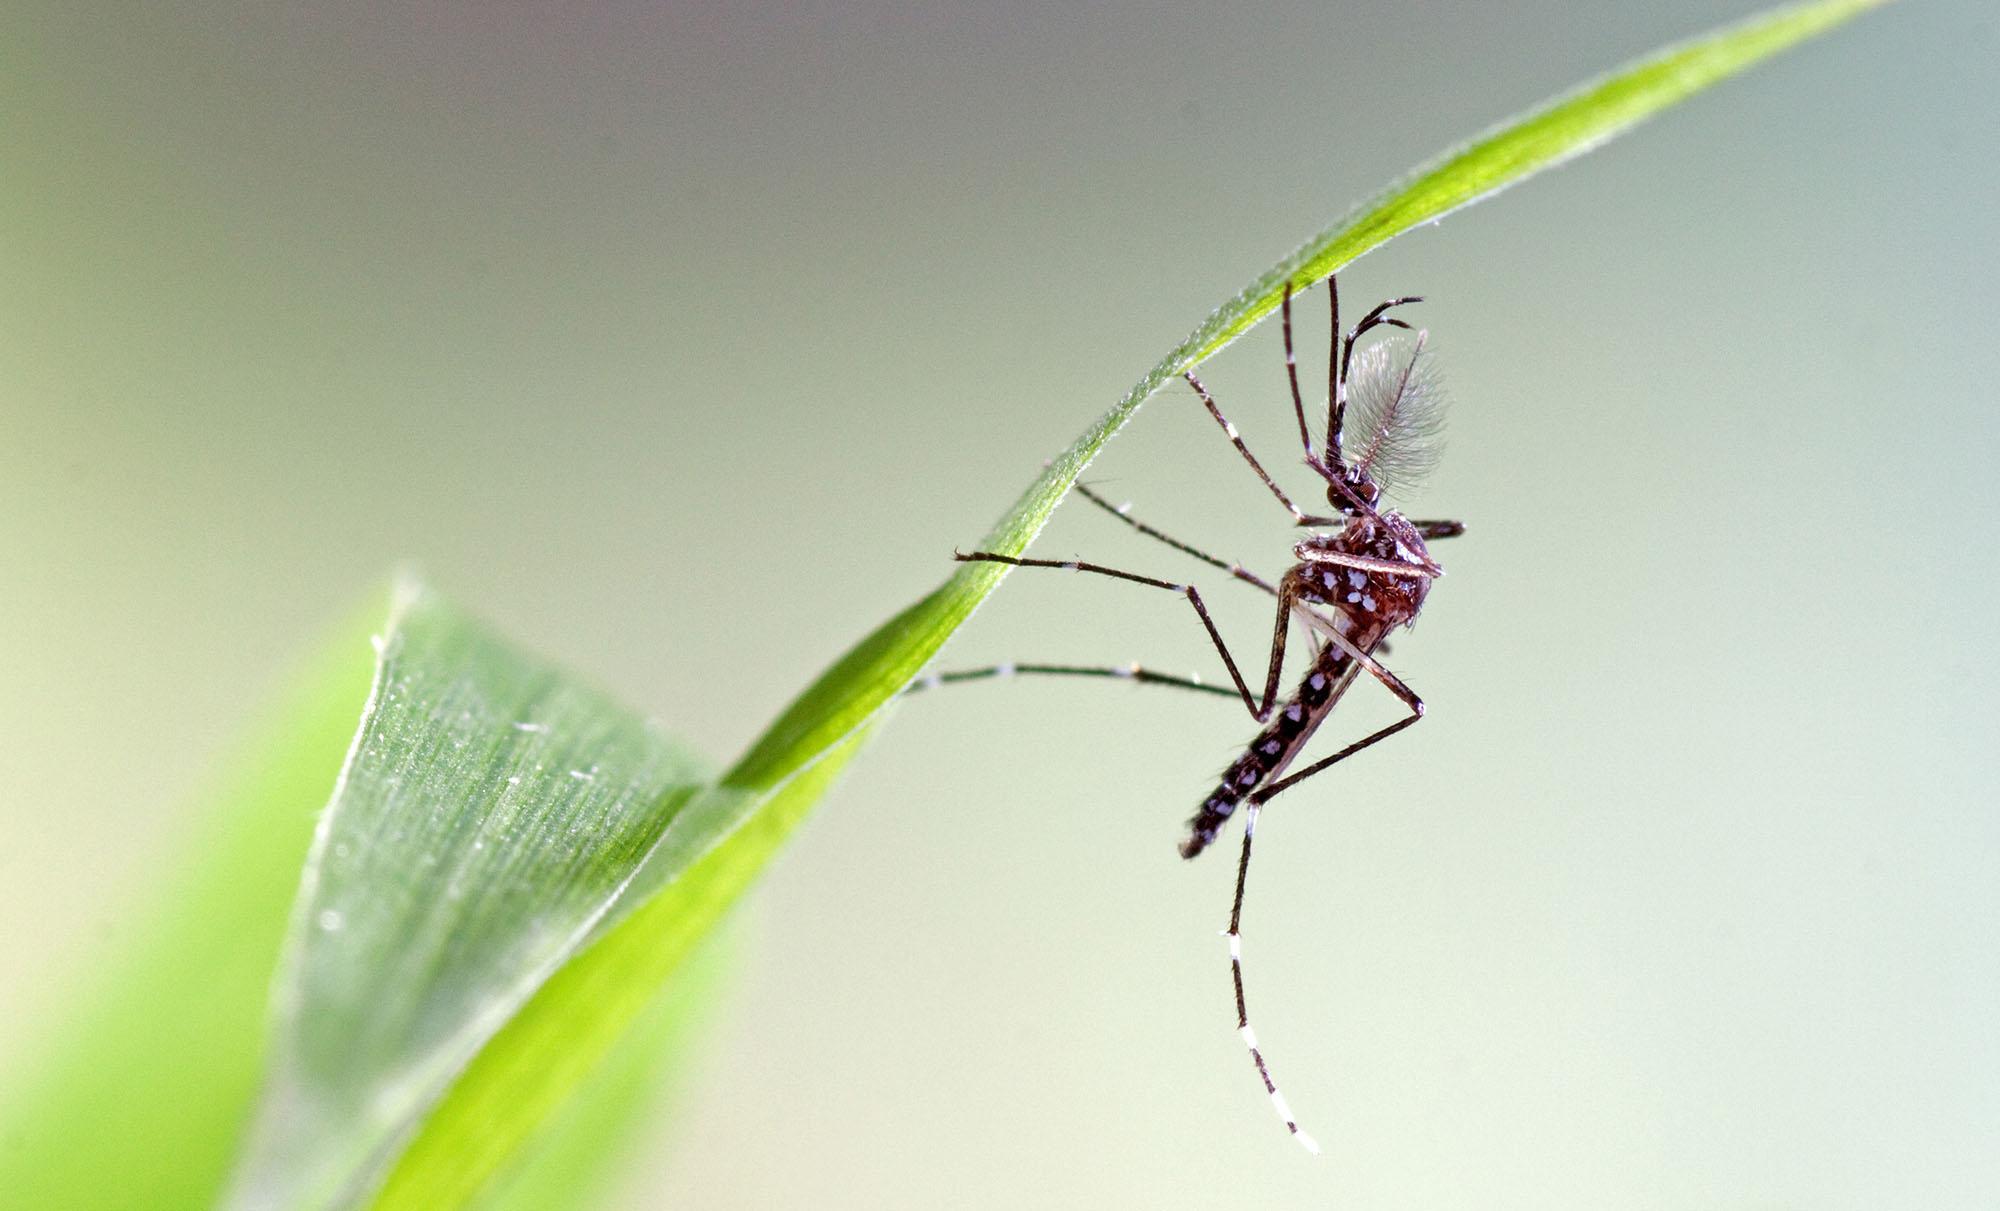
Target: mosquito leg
[1368, 563]
[1264, 794]
[1122, 513]
[1208, 402]
[1235, 935]
[1288, 595]
[1253, 805]
[1117, 672]
[1193, 596]
[1336, 389]
[1292, 372]
[1431, 531]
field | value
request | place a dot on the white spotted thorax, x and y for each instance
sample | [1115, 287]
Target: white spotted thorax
[1358, 574]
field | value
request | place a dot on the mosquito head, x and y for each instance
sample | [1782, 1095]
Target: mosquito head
[1350, 490]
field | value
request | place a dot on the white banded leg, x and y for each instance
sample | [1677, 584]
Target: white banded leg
[1134, 672]
[1252, 805]
[1235, 935]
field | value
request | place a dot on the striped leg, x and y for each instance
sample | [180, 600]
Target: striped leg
[1116, 672]
[1124, 513]
[1264, 794]
[1299, 517]
[1131, 672]
[1292, 364]
[1251, 807]
[1434, 530]
[1260, 711]
[1243, 1028]
[1122, 672]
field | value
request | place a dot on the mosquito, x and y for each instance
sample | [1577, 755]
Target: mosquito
[1360, 573]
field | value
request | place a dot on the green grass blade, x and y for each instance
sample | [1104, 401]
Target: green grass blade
[876, 668]
[724, 836]
[490, 809]
[1548, 135]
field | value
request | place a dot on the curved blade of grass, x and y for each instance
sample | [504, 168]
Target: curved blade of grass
[489, 811]
[1552, 133]
[1544, 137]
[733, 828]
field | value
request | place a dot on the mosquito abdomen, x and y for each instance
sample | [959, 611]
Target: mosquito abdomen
[1271, 750]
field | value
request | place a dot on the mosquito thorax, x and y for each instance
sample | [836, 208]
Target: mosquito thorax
[1385, 598]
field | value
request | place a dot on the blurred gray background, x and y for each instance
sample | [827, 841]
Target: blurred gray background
[686, 341]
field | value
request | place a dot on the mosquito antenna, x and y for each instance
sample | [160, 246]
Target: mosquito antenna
[1371, 320]
[1292, 370]
[1336, 404]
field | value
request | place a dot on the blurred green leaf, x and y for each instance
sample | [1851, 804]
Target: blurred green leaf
[138, 1097]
